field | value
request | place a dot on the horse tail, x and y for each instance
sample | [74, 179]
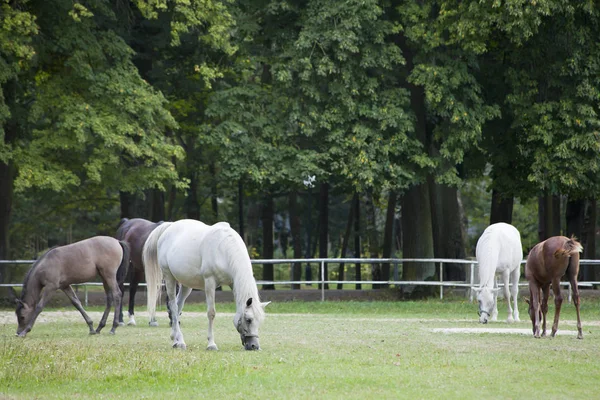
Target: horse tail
[152, 269]
[124, 267]
[570, 247]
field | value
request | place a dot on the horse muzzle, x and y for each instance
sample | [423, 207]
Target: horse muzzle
[251, 343]
[483, 316]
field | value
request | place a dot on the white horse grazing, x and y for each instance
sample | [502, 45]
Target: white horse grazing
[499, 251]
[199, 256]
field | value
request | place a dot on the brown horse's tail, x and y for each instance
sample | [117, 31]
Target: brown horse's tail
[571, 246]
[122, 271]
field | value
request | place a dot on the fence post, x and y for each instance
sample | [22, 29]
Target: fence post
[472, 281]
[441, 280]
[322, 280]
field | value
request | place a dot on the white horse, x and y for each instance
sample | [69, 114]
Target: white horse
[199, 256]
[499, 251]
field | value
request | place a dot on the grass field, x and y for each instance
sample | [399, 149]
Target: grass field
[350, 350]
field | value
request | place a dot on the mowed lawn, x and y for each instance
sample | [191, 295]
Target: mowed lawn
[349, 350]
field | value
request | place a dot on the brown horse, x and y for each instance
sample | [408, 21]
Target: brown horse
[63, 266]
[134, 231]
[547, 262]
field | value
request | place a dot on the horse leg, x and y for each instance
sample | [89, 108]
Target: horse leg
[557, 303]
[109, 300]
[75, 301]
[534, 308]
[176, 334]
[494, 315]
[576, 299]
[183, 294]
[546, 295]
[514, 290]
[506, 289]
[210, 286]
[133, 286]
[118, 298]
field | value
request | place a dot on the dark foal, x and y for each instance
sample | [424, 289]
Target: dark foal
[135, 231]
[547, 263]
[63, 266]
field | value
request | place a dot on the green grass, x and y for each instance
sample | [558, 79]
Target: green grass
[351, 350]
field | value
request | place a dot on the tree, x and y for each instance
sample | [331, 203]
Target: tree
[86, 119]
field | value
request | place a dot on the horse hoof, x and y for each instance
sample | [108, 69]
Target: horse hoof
[212, 347]
[580, 337]
[181, 346]
[153, 323]
[92, 332]
[510, 320]
[132, 323]
[121, 323]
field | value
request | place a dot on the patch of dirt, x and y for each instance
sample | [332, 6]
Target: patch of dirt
[517, 331]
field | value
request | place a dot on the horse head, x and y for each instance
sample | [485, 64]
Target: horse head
[24, 313]
[247, 324]
[486, 298]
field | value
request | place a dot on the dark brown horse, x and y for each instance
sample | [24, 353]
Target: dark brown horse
[63, 266]
[134, 231]
[546, 264]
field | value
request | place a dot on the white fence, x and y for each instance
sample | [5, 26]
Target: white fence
[395, 262]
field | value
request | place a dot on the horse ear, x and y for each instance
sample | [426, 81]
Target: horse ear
[19, 301]
[496, 290]
[476, 289]
[526, 300]
[265, 304]
[249, 302]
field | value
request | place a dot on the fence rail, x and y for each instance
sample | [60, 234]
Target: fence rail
[470, 282]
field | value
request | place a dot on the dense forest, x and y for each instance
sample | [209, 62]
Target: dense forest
[316, 128]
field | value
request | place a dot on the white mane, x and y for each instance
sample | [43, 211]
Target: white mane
[233, 249]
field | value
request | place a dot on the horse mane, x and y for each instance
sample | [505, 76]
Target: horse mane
[571, 246]
[231, 243]
[30, 272]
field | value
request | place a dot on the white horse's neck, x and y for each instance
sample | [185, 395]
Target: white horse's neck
[244, 285]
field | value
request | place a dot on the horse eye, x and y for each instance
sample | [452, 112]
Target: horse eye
[249, 321]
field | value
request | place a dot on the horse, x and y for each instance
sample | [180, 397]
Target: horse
[498, 251]
[547, 263]
[62, 266]
[135, 232]
[201, 256]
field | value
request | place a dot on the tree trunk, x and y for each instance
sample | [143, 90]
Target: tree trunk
[346, 240]
[374, 247]
[296, 232]
[575, 215]
[417, 238]
[307, 268]
[240, 199]
[548, 216]
[323, 228]
[192, 205]
[214, 191]
[7, 176]
[448, 234]
[416, 207]
[356, 208]
[388, 237]
[589, 238]
[502, 207]
[267, 239]
[157, 205]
